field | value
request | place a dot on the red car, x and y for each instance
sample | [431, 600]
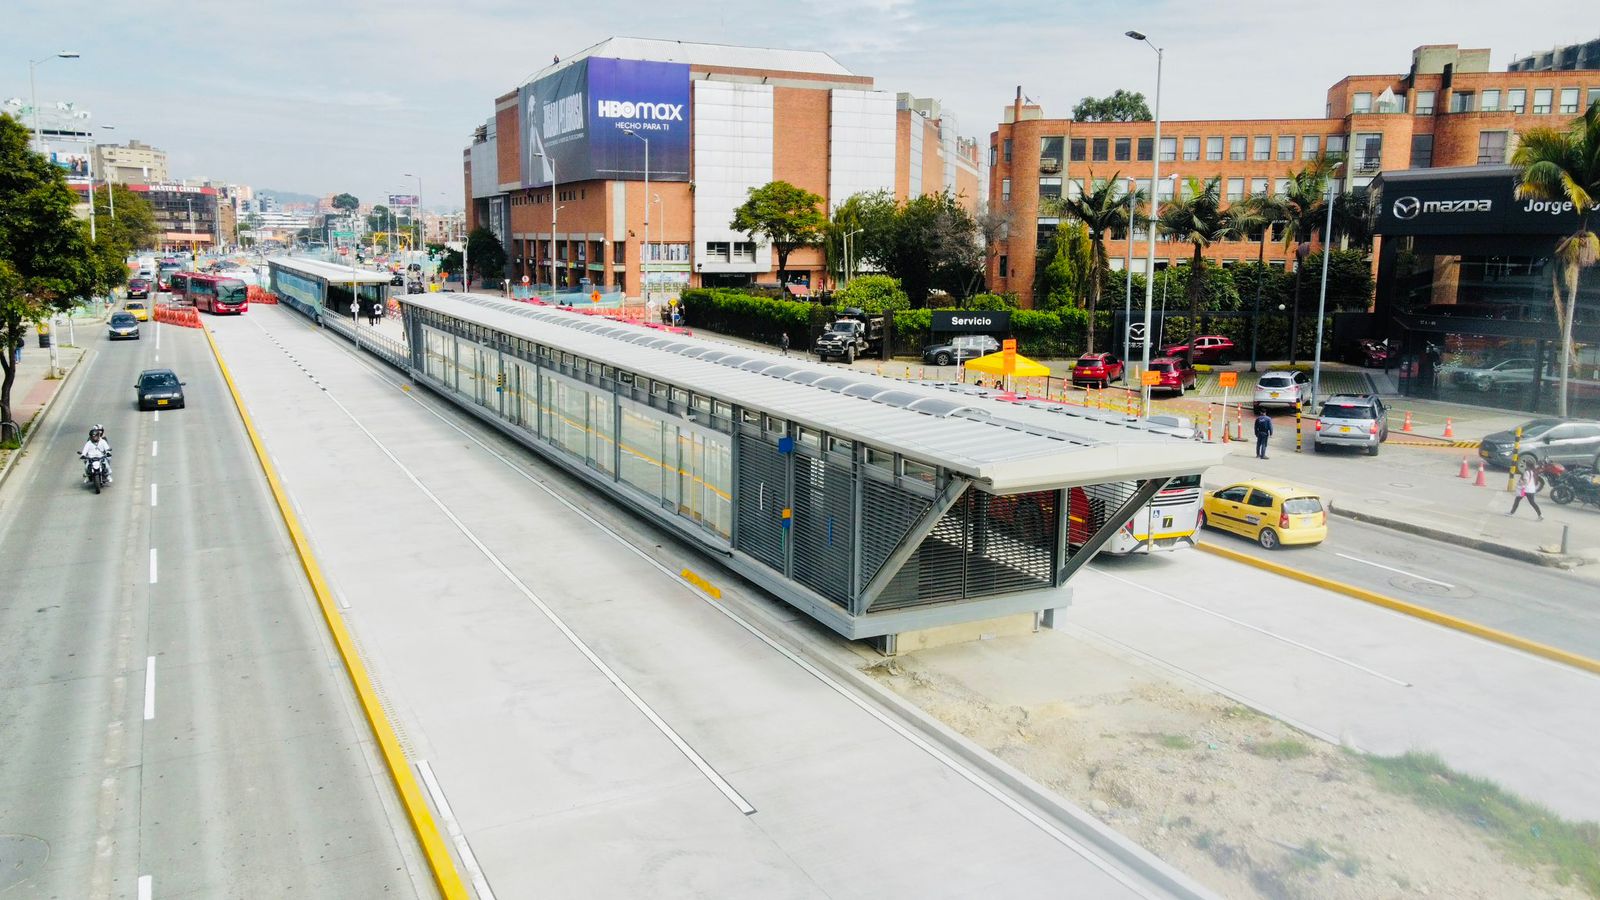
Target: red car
[1211, 348]
[138, 288]
[1176, 375]
[1098, 369]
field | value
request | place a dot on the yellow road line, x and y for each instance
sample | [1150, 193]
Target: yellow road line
[433, 845]
[1410, 609]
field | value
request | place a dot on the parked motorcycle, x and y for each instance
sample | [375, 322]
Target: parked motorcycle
[1580, 484]
[95, 472]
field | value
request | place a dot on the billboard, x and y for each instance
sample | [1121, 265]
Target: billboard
[580, 117]
[75, 162]
[402, 200]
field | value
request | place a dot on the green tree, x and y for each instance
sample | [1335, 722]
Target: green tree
[1121, 106]
[1102, 207]
[785, 216]
[933, 243]
[134, 225]
[1565, 166]
[486, 254]
[1198, 219]
[870, 215]
[873, 293]
[1303, 207]
[346, 202]
[380, 219]
[44, 253]
[1349, 279]
[250, 225]
[1062, 277]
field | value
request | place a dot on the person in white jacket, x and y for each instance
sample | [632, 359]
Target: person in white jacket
[97, 447]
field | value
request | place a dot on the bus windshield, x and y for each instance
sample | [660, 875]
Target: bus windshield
[231, 291]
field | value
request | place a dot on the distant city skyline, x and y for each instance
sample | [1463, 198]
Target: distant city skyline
[361, 94]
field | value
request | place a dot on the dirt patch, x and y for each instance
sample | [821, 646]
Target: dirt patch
[1243, 803]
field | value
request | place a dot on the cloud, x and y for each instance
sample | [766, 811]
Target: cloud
[302, 94]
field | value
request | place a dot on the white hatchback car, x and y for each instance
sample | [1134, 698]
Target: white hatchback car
[1283, 390]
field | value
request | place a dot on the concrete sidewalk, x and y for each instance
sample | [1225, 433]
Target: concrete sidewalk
[32, 390]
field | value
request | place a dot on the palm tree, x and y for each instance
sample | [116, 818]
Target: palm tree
[1199, 219]
[1256, 214]
[1102, 207]
[1565, 166]
[1304, 206]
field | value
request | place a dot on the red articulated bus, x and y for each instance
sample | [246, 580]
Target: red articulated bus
[210, 293]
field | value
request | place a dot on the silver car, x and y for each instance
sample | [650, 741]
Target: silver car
[1282, 390]
[1352, 420]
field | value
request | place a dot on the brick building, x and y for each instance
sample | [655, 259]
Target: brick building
[720, 120]
[1447, 110]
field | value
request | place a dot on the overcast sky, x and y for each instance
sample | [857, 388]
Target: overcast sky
[321, 97]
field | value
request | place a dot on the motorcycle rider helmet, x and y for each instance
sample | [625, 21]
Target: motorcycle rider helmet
[96, 432]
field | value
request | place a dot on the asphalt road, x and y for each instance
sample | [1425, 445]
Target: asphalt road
[1551, 606]
[174, 719]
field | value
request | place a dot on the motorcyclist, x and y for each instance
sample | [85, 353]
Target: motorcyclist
[97, 447]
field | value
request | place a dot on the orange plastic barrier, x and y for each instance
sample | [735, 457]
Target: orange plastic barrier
[257, 294]
[184, 316]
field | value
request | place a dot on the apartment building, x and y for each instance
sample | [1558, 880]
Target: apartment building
[713, 121]
[132, 163]
[1447, 110]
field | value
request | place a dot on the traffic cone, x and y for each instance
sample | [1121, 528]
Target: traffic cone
[1449, 429]
[1407, 427]
[1465, 469]
[1481, 482]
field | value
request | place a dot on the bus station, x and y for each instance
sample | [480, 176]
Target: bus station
[317, 288]
[877, 507]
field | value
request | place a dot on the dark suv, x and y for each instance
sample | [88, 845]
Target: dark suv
[1352, 420]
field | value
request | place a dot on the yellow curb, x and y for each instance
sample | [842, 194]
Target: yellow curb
[440, 862]
[1410, 609]
[711, 590]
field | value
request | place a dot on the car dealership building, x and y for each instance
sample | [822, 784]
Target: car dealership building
[713, 121]
[1468, 280]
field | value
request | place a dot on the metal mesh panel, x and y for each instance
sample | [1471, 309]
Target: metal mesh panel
[761, 500]
[985, 544]
[887, 513]
[822, 530]
[1090, 507]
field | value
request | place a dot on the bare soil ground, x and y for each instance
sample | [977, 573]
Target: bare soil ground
[1243, 803]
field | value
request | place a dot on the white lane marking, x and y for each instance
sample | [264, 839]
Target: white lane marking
[152, 493]
[1089, 855]
[154, 447]
[158, 415]
[152, 565]
[1369, 562]
[149, 688]
[480, 884]
[606, 671]
[1256, 628]
[145, 888]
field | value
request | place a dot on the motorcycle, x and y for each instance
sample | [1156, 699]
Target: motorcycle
[1577, 484]
[95, 471]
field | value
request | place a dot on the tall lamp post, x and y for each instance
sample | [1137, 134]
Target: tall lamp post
[644, 256]
[1322, 297]
[416, 213]
[847, 257]
[551, 162]
[1261, 272]
[1127, 278]
[33, 93]
[1155, 179]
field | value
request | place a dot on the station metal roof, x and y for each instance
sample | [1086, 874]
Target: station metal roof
[1004, 447]
[333, 273]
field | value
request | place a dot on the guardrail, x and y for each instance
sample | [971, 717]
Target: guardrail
[386, 348]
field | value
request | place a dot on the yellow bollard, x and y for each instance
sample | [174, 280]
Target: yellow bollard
[1299, 438]
[1516, 451]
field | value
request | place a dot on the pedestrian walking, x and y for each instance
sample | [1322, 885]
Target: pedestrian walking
[783, 342]
[1263, 434]
[1529, 484]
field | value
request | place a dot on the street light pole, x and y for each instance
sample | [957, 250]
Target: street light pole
[1127, 278]
[1155, 179]
[644, 257]
[1322, 298]
[551, 162]
[33, 93]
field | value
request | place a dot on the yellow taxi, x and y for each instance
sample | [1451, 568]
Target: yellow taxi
[1272, 514]
[140, 311]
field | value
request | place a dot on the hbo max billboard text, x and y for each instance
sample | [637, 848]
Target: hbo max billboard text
[580, 116]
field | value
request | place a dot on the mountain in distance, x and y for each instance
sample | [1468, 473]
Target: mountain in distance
[287, 196]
